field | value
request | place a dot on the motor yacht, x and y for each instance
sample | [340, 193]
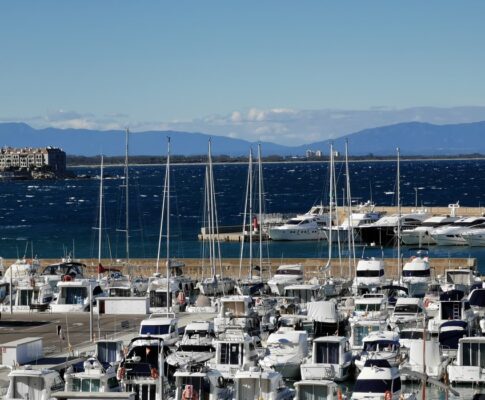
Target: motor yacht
[200, 382]
[38, 384]
[369, 275]
[408, 313]
[317, 389]
[331, 358]
[475, 236]
[421, 235]
[306, 226]
[383, 231]
[285, 275]
[416, 274]
[451, 235]
[469, 365]
[382, 346]
[237, 311]
[94, 378]
[74, 295]
[161, 325]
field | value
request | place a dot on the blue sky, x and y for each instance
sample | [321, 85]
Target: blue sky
[221, 65]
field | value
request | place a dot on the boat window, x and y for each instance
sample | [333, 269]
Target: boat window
[113, 382]
[416, 335]
[289, 272]
[293, 222]
[119, 292]
[381, 345]
[76, 385]
[74, 295]
[417, 273]
[450, 310]
[236, 308]
[97, 291]
[377, 385]
[406, 308]
[159, 298]
[458, 277]
[155, 329]
[28, 387]
[195, 347]
[360, 332]
[369, 273]
[57, 384]
[473, 354]
[327, 353]
[312, 392]
[368, 307]
[229, 353]
[25, 297]
[107, 352]
[90, 385]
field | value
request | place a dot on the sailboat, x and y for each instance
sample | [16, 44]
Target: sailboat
[213, 285]
[252, 284]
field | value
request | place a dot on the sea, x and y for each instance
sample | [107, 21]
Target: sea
[51, 219]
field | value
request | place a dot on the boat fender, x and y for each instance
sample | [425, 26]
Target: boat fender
[120, 374]
[67, 278]
[387, 395]
[189, 393]
[181, 298]
[426, 303]
[154, 373]
[221, 382]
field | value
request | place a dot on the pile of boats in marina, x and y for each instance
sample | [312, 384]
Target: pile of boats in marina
[324, 339]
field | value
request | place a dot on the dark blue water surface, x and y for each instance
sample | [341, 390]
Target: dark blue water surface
[58, 215]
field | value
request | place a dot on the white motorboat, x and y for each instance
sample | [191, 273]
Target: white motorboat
[382, 346]
[383, 231]
[331, 359]
[286, 351]
[28, 383]
[235, 350]
[141, 370]
[21, 269]
[379, 380]
[452, 310]
[304, 293]
[370, 307]
[285, 275]
[200, 382]
[95, 378]
[475, 236]
[162, 326]
[411, 341]
[416, 275]
[421, 235]
[159, 298]
[31, 294]
[306, 226]
[195, 347]
[369, 275]
[255, 384]
[237, 311]
[408, 313]
[361, 328]
[341, 232]
[74, 295]
[451, 235]
[462, 279]
[214, 286]
[469, 365]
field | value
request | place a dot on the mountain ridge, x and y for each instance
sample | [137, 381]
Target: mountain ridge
[413, 138]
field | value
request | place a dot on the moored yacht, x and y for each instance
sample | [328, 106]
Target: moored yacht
[382, 346]
[469, 365]
[369, 275]
[306, 226]
[255, 384]
[451, 235]
[28, 383]
[285, 275]
[416, 274]
[74, 295]
[421, 235]
[94, 378]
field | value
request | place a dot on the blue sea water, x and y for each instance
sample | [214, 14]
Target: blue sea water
[57, 217]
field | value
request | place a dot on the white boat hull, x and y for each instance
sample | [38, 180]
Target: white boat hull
[296, 234]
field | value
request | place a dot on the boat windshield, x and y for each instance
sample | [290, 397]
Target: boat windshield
[74, 295]
[360, 332]
[406, 309]
[313, 392]
[85, 385]
[368, 273]
[416, 273]
[289, 272]
[473, 354]
[377, 386]
[368, 307]
[155, 329]
[381, 345]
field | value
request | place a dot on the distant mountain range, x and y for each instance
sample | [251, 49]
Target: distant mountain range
[413, 138]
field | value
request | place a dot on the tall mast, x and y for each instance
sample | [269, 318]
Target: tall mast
[162, 216]
[260, 206]
[330, 204]
[350, 231]
[398, 212]
[250, 173]
[127, 200]
[211, 212]
[100, 236]
[168, 223]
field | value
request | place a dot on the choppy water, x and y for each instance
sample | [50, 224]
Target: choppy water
[57, 215]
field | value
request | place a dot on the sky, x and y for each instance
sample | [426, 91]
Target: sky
[285, 71]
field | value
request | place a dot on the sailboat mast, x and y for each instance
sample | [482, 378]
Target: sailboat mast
[211, 212]
[127, 200]
[162, 215]
[100, 236]
[350, 231]
[250, 172]
[168, 223]
[398, 212]
[260, 206]
[330, 204]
